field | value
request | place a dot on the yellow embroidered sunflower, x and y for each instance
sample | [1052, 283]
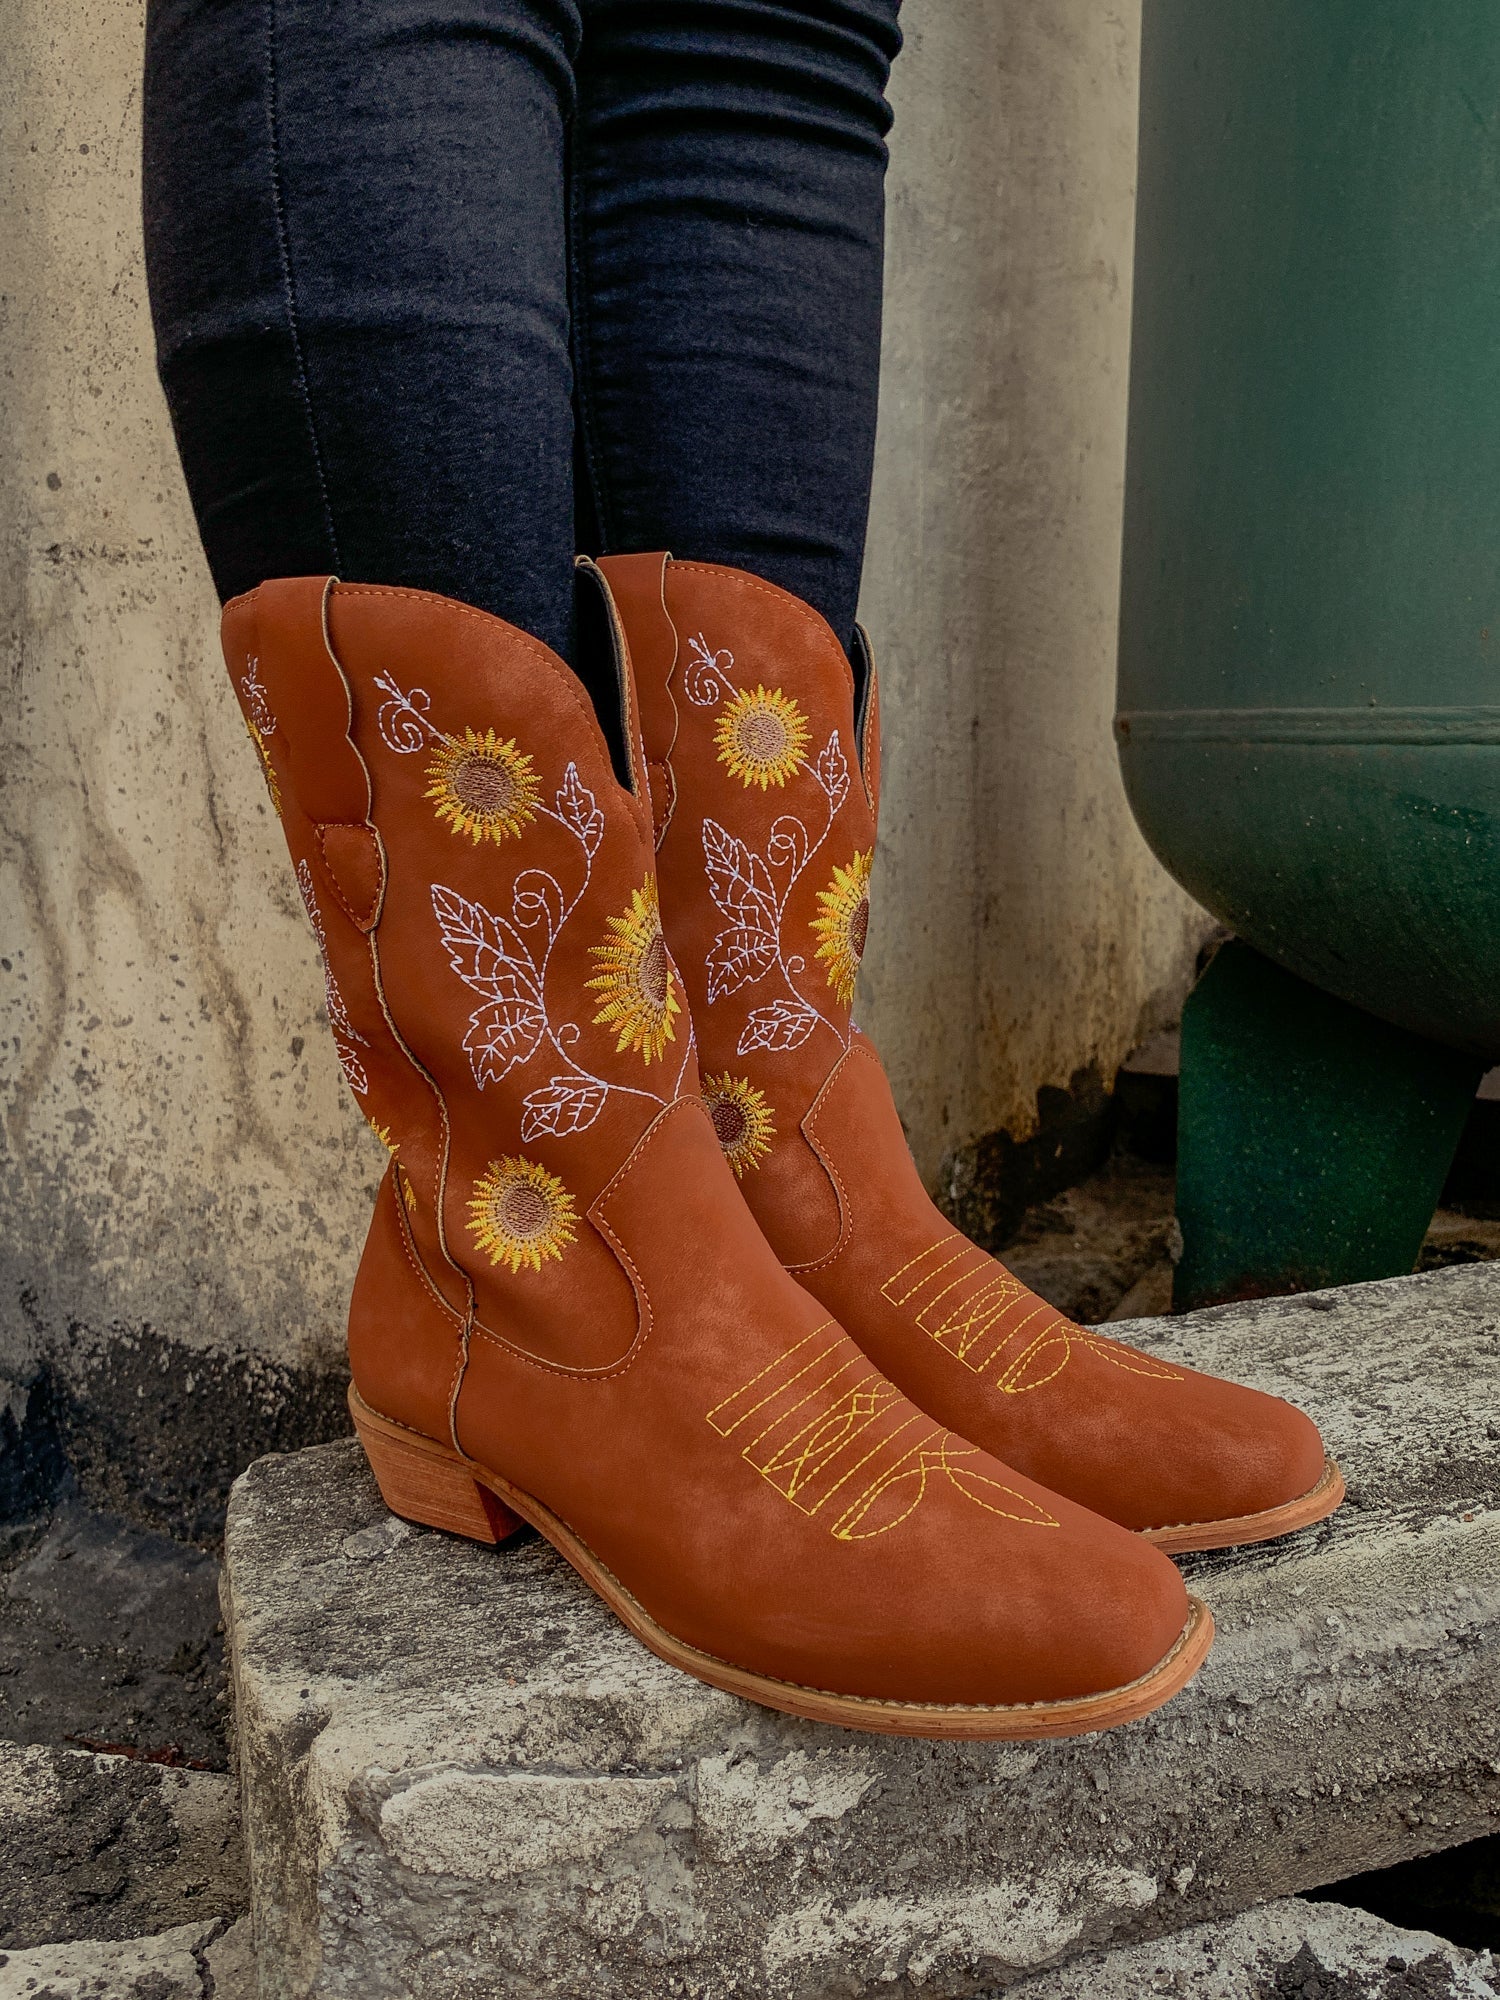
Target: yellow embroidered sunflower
[741, 1118]
[267, 768]
[637, 987]
[845, 924]
[762, 737]
[482, 786]
[520, 1214]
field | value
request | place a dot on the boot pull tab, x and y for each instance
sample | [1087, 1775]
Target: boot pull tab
[638, 583]
[293, 682]
[354, 862]
[626, 680]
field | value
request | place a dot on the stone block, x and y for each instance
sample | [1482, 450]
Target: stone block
[463, 1778]
[112, 1848]
[1288, 1950]
[190, 1962]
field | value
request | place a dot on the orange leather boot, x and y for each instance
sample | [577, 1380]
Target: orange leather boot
[764, 786]
[565, 1313]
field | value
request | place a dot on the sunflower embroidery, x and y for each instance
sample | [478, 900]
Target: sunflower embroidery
[636, 985]
[403, 1186]
[844, 924]
[741, 1120]
[520, 1214]
[483, 786]
[762, 737]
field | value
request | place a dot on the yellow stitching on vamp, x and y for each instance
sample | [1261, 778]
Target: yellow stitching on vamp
[763, 1372]
[940, 1244]
[785, 1416]
[857, 1401]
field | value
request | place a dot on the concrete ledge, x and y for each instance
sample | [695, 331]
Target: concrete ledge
[1283, 1951]
[463, 1777]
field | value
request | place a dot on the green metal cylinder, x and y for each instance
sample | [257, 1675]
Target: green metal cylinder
[1309, 696]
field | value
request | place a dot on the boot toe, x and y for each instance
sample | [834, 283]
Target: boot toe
[1259, 1455]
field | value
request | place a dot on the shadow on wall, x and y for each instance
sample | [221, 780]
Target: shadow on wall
[156, 1432]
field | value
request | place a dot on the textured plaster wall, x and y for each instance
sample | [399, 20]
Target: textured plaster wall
[185, 1181]
[181, 1170]
[1022, 929]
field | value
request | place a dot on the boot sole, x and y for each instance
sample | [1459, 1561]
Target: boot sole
[1315, 1505]
[431, 1484]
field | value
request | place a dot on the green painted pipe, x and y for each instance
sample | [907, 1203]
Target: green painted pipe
[1309, 720]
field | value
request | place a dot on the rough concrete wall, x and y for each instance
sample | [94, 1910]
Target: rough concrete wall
[182, 1171]
[1023, 931]
[187, 1183]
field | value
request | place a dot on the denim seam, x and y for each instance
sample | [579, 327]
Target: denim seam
[581, 331]
[288, 283]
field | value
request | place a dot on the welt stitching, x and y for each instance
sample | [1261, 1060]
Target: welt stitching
[288, 283]
[1073, 1702]
[1266, 1513]
[1069, 1703]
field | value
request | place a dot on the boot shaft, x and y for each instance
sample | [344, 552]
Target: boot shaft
[763, 748]
[482, 890]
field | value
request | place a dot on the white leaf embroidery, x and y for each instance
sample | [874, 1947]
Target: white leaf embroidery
[353, 1068]
[254, 692]
[344, 1031]
[487, 952]
[501, 1035]
[782, 1026]
[704, 680]
[738, 880]
[737, 958]
[577, 805]
[338, 1013]
[566, 1104]
[832, 771]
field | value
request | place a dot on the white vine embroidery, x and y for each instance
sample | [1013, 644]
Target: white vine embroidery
[505, 960]
[345, 1035]
[402, 719]
[705, 681]
[752, 891]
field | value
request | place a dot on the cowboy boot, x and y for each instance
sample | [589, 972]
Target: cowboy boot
[764, 783]
[565, 1314]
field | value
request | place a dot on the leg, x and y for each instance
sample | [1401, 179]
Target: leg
[1313, 1139]
[355, 227]
[728, 228]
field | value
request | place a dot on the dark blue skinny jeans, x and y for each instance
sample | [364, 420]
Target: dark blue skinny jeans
[445, 290]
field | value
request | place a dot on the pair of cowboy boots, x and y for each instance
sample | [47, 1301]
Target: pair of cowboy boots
[651, 1268]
